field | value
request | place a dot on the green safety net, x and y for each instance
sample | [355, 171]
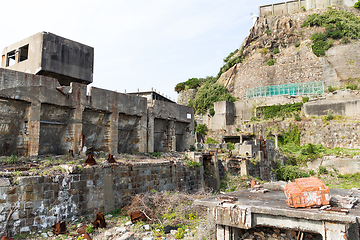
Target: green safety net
[292, 89]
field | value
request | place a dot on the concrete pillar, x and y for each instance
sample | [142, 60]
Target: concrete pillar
[276, 140]
[273, 8]
[150, 132]
[114, 133]
[334, 231]
[75, 130]
[171, 137]
[244, 167]
[109, 198]
[216, 170]
[33, 129]
[226, 233]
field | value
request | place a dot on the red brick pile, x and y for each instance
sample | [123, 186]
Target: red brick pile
[307, 192]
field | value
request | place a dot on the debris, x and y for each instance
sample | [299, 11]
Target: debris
[109, 216]
[226, 199]
[168, 228]
[137, 216]
[344, 201]
[82, 229]
[44, 235]
[71, 152]
[252, 183]
[99, 221]
[147, 227]
[121, 229]
[4, 230]
[111, 159]
[259, 190]
[87, 236]
[7, 238]
[59, 228]
[127, 236]
[307, 192]
[90, 160]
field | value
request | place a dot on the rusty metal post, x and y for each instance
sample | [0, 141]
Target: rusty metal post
[33, 128]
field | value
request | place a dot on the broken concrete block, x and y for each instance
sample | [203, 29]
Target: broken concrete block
[120, 229]
[307, 192]
[4, 182]
[275, 186]
[127, 236]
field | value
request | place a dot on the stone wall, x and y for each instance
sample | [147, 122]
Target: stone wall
[45, 200]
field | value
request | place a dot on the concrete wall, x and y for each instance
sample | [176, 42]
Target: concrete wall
[45, 200]
[295, 5]
[54, 56]
[41, 117]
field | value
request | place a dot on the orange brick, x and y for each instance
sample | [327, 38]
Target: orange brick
[307, 192]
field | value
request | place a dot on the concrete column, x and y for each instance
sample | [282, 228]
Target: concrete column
[333, 231]
[109, 198]
[114, 132]
[33, 129]
[75, 130]
[276, 140]
[244, 167]
[150, 133]
[171, 136]
[273, 8]
[216, 170]
[226, 233]
[286, 7]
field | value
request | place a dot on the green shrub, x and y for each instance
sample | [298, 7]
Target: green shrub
[297, 117]
[289, 172]
[202, 129]
[357, 4]
[180, 87]
[332, 89]
[274, 111]
[297, 44]
[276, 51]
[328, 117]
[89, 229]
[212, 112]
[207, 95]
[320, 44]
[265, 50]
[193, 164]
[345, 40]
[323, 170]
[270, 62]
[192, 148]
[303, 8]
[180, 233]
[305, 99]
[230, 61]
[268, 32]
[231, 146]
[230, 55]
[351, 86]
[211, 141]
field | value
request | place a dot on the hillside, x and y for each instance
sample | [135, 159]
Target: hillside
[284, 39]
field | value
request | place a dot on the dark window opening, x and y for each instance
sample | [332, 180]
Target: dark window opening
[23, 53]
[10, 58]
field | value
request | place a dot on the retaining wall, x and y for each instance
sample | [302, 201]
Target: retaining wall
[45, 200]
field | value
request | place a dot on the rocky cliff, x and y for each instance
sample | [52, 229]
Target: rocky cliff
[296, 62]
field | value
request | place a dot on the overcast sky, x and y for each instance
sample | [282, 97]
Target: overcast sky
[139, 43]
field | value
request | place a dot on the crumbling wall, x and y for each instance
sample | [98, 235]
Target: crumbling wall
[45, 200]
[42, 117]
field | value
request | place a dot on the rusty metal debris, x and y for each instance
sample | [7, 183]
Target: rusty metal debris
[87, 236]
[137, 216]
[99, 221]
[111, 159]
[7, 238]
[59, 228]
[90, 160]
[71, 152]
[82, 229]
[328, 208]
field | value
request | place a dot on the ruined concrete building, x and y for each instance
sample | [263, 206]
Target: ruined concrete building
[45, 107]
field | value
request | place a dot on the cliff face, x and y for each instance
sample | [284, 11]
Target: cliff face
[293, 64]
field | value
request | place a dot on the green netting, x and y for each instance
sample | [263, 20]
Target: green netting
[293, 89]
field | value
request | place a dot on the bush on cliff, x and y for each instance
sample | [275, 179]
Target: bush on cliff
[207, 95]
[193, 83]
[357, 4]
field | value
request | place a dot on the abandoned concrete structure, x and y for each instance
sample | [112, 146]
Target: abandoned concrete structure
[246, 210]
[40, 116]
[295, 5]
[50, 55]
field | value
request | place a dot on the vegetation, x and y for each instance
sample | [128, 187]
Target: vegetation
[357, 4]
[270, 62]
[202, 129]
[209, 93]
[268, 32]
[211, 141]
[352, 86]
[212, 111]
[230, 61]
[193, 83]
[289, 172]
[297, 44]
[276, 51]
[339, 25]
[275, 111]
[332, 89]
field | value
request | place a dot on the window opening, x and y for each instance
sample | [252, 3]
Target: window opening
[10, 58]
[23, 53]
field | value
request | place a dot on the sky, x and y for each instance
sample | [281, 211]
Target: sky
[139, 44]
